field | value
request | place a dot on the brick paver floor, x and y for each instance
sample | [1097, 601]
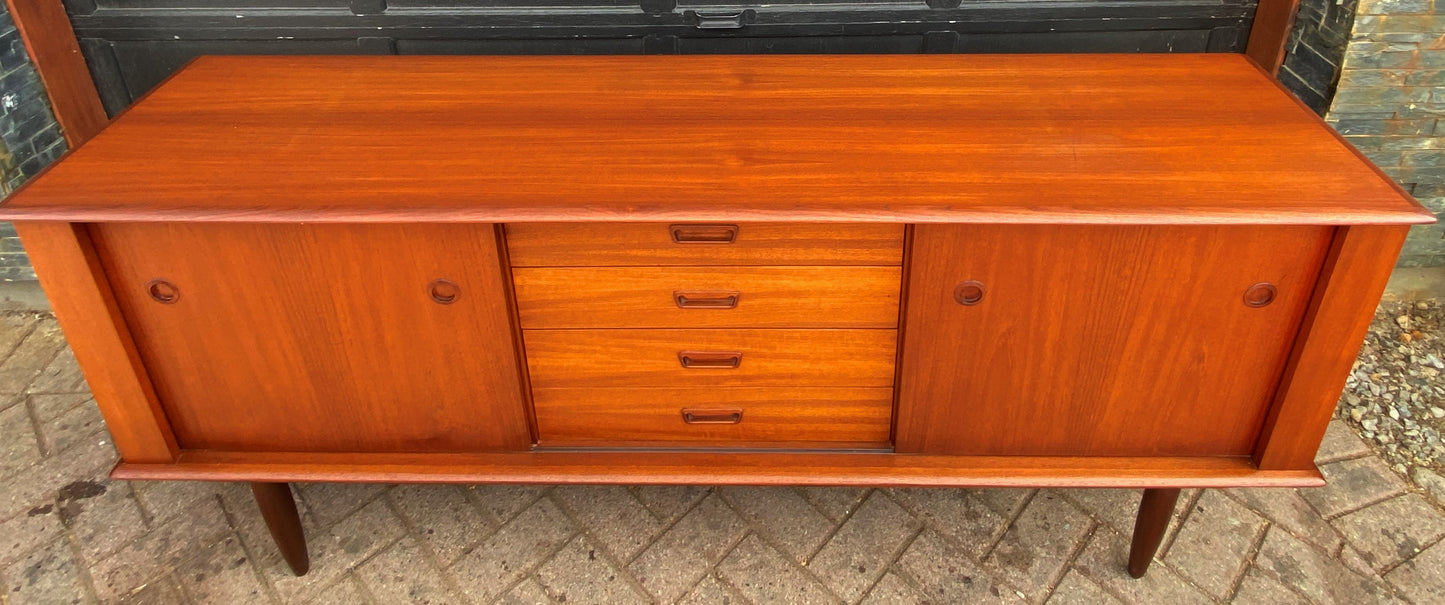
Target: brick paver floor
[69, 534]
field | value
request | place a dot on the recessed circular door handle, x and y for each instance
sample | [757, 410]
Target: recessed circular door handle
[968, 293]
[163, 292]
[444, 291]
[1260, 294]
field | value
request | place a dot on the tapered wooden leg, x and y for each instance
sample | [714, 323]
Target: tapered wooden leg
[278, 508]
[1155, 509]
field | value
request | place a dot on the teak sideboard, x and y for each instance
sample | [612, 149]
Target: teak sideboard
[1136, 271]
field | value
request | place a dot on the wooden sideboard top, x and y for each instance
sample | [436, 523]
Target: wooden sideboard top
[892, 138]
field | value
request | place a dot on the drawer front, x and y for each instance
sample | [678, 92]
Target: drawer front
[753, 417]
[710, 358]
[619, 244]
[718, 297]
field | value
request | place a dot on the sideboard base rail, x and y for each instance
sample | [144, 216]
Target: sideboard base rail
[722, 468]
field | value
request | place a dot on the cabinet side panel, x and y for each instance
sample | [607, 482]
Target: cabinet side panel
[285, 337]
[1098, 340]
[80, 294]
[1359, 264]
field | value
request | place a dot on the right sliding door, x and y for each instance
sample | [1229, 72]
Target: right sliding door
[1099, 340]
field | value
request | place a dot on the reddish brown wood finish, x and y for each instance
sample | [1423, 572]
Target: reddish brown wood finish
[322, 337]
[75, 282]
[646, 244]
[724, 468]
[1359, 264]
[768, 417]
[1155, 510]
[1269, 33]
[45, 28]
[1117, 139]
[760, 297]
[1119, 340]
[649, 358]
[278, 508]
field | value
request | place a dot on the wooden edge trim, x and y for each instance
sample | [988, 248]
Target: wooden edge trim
[692, 468]
[1273, 20]
[1353, 278]
[536, 214]
[74, 280]
[514, 317]
[902, 326]
[51, 43]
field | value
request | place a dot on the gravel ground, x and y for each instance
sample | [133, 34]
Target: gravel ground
[1395, 395]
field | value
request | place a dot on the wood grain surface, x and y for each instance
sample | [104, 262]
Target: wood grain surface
[725, 468]
[1089, 340]
[1355, 272]
[874, 138]
[768, 416]
[322, 337]
[763, 297]
[649, 358]
[640, 244]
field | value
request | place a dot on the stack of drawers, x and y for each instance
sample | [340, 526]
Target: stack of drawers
[709, 335]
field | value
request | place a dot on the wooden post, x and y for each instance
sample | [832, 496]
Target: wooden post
[53, 48]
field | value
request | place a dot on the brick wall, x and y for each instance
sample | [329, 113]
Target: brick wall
[29, 136]
[1315, 49]
[1390, 103]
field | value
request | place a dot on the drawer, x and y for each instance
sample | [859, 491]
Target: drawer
[792, 417]
[710, 358]
[716, 297]
[619, 244]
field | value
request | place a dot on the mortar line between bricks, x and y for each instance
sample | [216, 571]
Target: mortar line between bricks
[34, 325]
[713, 572]
[667, 525]
[1069, 561]
[607, 554]
[839, 526]
[1170, 537]
[892, 560]
[352, 569]
[1423, 548]
[1381, 500]
[350, 577]
[410, 530]
[532, 570]
[1249, 558]
[1018, 512]
[65, 346]
[803, 495]
[469, 495]
[1333, 552]
[727, 586]
[87, 582]
[712, 566]
[311, 510]
[35, 425]
[249, 549]
[803, 567]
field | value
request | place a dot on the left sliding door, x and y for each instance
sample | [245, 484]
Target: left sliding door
[322, 337]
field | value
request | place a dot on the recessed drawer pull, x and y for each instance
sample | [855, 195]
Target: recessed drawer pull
[710, 359]
[701, 416]
[703, 234]
[706, 300]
